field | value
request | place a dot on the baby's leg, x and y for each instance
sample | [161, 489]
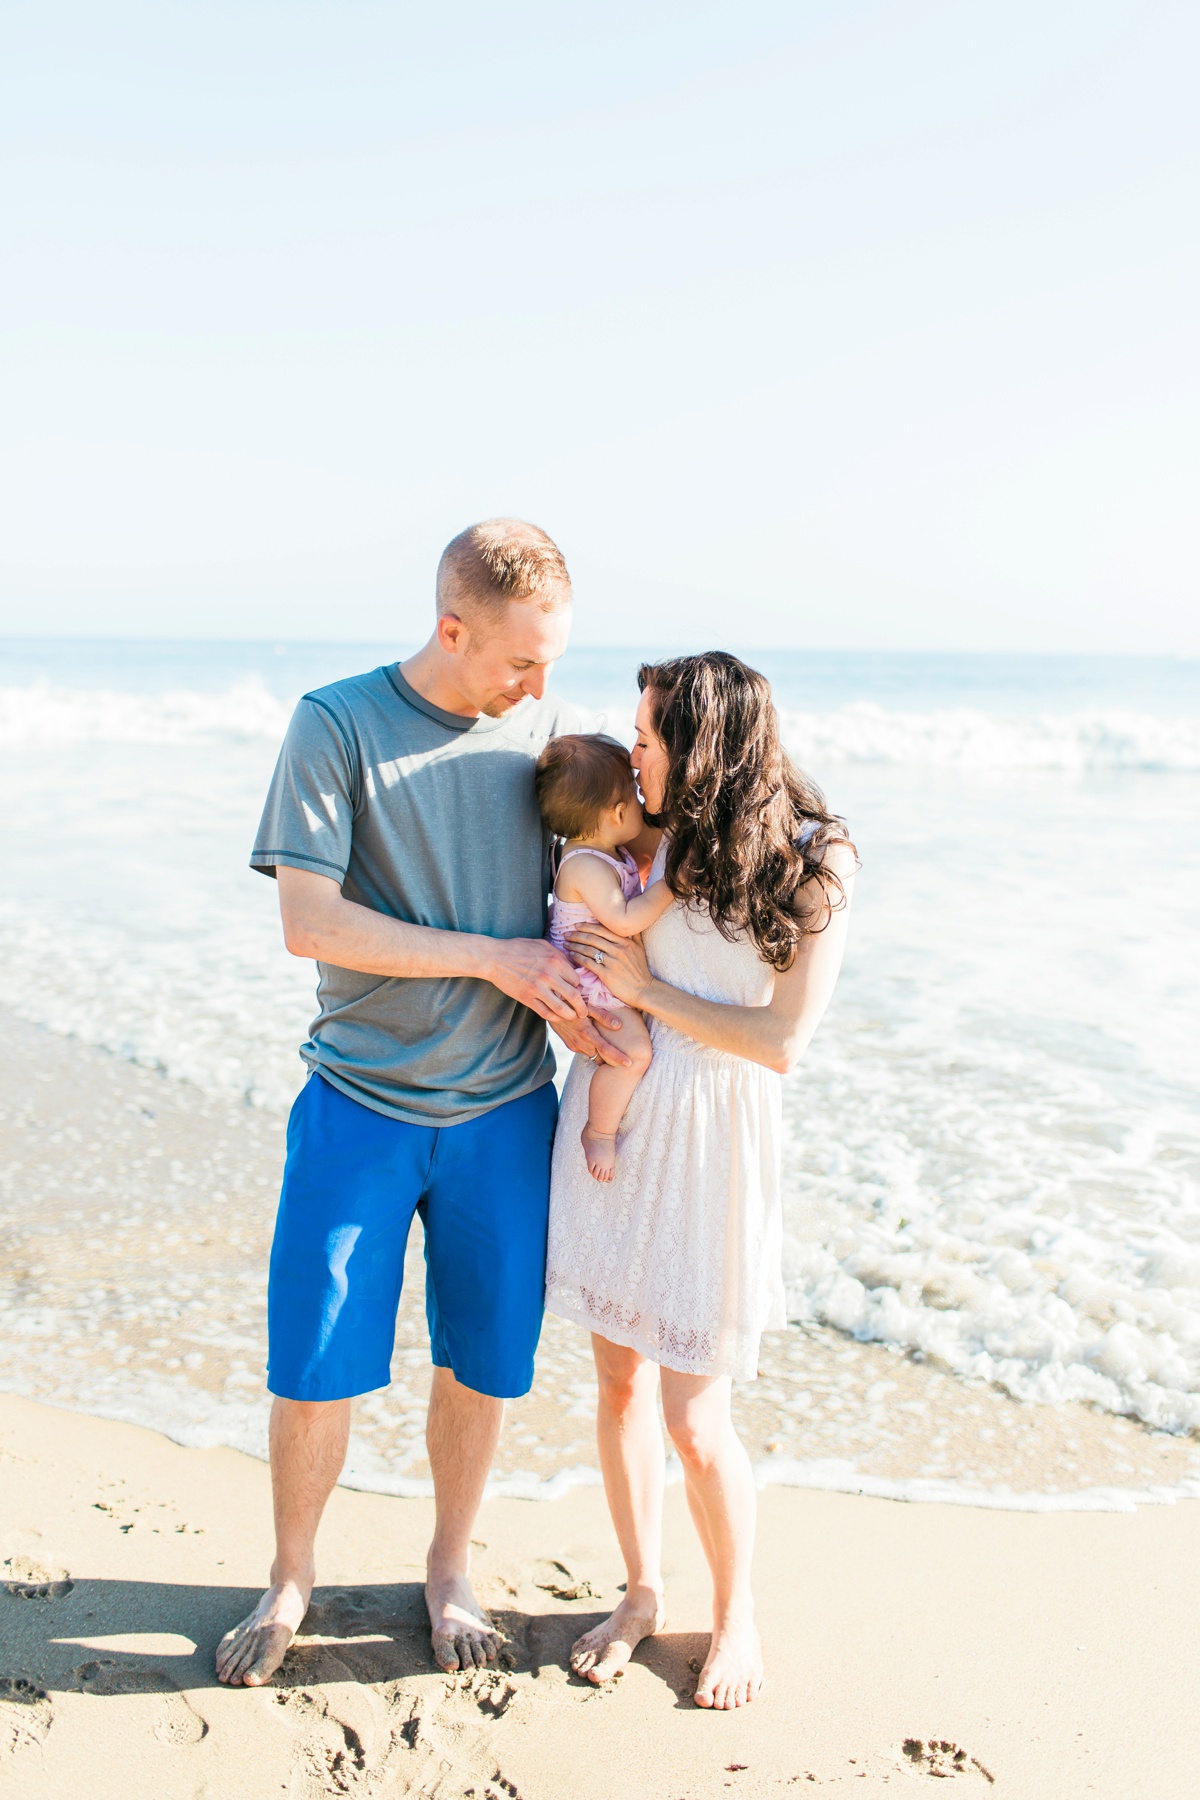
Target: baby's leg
[612, 1089]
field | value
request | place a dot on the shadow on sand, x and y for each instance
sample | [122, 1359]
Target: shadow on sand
[376, 1634]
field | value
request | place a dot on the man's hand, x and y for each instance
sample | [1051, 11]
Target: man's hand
[319, 921]
[583, 1038]
[539, 976]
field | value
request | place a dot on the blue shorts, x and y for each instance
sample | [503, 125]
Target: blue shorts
[353, 1180]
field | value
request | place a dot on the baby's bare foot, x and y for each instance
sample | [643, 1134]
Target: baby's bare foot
[600, 1148]
[603, 1653]
[733, 1669]
[249, 1655]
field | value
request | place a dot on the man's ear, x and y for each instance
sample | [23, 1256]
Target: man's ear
[452, 634]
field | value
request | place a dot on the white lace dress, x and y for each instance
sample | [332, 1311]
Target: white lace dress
[680, 1255]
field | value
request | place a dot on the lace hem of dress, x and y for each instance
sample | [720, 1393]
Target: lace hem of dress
[682, 1348]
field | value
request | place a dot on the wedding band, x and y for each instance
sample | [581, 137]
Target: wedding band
[599, 956]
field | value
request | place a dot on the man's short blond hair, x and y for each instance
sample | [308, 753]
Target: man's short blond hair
[489, 564]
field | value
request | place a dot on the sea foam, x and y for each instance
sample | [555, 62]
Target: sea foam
[44, 714]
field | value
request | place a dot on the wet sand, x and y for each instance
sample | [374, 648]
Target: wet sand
[135, 1222]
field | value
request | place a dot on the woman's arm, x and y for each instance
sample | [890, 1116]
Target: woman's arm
[775, 1035]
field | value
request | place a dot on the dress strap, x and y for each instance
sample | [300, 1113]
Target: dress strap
[583, 850]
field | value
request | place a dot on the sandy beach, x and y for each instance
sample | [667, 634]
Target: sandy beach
[1023, 1656]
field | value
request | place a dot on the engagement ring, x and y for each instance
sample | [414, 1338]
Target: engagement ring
[599, 956]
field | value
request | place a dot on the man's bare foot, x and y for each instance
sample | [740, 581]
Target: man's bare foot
[600, 1148]
[733, 1669]
[463, 1636]
[249, 1655]
[603, 1653]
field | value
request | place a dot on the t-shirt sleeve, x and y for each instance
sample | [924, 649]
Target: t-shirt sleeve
[309, 814]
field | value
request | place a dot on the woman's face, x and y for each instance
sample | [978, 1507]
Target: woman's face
[649, 757]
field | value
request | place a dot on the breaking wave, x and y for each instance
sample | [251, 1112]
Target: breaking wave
[963, 738]
[47, 715]
[43, 714]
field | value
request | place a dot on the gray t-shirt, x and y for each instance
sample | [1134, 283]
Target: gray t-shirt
[429, 817]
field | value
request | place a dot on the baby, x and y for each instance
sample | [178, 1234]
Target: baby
[588, 796]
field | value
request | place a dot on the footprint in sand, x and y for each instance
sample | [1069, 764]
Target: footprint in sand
[942, 1760]
[343, 1733]
[176, 1720]
[490, 1690]
[498, 1788]
[25, 1714]
[29, 1580]
[452, 1729]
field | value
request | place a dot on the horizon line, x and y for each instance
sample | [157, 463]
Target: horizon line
[664, 646]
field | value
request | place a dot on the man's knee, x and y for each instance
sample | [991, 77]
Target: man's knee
[305, 1415]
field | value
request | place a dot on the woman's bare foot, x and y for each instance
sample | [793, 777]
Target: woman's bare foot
[249, 1655]
[600, 1148]
[733, 1669]
[462, 1634]
[603, 1653]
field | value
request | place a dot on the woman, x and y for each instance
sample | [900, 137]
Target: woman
[676, 1266]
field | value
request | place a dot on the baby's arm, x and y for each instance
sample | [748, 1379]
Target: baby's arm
[596, 884]
[642, 911]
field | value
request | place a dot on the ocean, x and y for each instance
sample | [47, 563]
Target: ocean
[993, 1145]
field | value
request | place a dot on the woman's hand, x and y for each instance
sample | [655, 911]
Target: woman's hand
[619, 962]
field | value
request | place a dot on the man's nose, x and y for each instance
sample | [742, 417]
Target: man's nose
[535, 682]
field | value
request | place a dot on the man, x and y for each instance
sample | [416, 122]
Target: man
[403, 831]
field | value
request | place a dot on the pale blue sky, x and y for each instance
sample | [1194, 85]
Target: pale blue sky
[825, 324]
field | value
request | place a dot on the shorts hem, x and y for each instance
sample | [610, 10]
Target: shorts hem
[310, 1399]
[492, 1389]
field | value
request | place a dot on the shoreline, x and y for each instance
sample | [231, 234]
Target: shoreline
[829, 1477]
[135, 1214]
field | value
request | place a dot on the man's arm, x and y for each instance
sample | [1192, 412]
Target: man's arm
[319, 922]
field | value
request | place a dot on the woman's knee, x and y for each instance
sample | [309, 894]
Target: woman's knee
[696, 1435]
[620, 1376]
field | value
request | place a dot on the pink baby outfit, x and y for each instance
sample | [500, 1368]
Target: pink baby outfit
[569, 915]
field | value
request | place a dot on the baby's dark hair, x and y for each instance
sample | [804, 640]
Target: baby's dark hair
[577, 777]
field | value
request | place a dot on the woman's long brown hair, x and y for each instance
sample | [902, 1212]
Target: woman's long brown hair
[748, 831]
